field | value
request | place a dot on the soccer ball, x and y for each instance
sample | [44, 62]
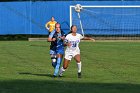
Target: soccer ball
[78, 8]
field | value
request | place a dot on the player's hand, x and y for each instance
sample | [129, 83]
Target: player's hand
[63, 37]
[53, 39]
[47, 28]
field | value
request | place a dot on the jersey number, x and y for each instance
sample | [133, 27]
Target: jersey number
[74, 45]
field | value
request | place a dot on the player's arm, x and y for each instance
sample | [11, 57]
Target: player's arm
[63, 36]
[50, 38]
[66, 42]
[47, 25]
[88, 38]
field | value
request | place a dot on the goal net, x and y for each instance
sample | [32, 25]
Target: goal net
[106, 21]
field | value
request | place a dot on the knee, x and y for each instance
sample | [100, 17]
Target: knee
[78, 59]
[53, 58]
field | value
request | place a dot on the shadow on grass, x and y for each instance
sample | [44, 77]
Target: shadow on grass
[60, 86]
[27, 73]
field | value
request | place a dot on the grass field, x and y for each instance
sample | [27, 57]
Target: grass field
[108, 67]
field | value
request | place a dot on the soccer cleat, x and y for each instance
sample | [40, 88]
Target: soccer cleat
[60, 76]
[79, 75]
[54, 76]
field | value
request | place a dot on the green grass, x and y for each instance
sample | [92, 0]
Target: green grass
[107, 67]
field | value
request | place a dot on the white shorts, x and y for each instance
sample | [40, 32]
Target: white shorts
[70, 54]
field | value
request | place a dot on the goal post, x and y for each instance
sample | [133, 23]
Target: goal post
[112, 20]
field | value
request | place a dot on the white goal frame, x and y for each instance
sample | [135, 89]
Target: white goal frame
[105, 6]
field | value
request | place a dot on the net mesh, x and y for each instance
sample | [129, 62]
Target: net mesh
[106, 21]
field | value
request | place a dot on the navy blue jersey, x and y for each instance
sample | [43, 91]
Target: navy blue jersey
[58, 44]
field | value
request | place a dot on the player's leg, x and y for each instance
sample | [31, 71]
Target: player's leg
[53, 57]
[60, 53]
[79, 64]
[67, 59]
[64, 67]
[59, 59]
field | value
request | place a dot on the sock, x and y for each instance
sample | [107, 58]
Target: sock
[54, 64]
[61, 71]
[57, 66]
[79, 67]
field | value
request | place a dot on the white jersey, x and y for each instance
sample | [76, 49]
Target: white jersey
[74, 41]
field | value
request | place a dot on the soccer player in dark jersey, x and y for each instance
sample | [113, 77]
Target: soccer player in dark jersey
[56, 37]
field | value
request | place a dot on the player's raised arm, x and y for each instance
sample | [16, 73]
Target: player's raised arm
[88, 38]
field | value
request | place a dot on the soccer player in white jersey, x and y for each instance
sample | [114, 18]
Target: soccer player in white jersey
[72, 41]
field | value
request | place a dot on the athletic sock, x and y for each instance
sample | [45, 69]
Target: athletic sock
[57, 66]
[61, 71]
[54, 64]
[79, 67]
